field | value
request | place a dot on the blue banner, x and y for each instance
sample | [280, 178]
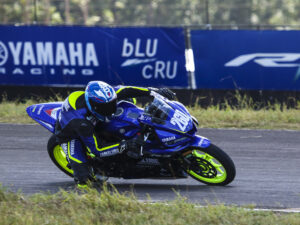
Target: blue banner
[72, 56]
[247, 60]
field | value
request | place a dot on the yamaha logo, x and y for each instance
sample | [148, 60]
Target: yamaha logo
[3, 53]
[39, 58]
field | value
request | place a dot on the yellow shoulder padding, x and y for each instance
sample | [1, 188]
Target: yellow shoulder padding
[73, 98]
[138, 88]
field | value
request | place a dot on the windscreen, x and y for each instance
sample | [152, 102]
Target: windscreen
[158, 109]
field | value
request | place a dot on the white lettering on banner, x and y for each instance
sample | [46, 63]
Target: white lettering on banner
[41, 71]
[152, 53]
[266, 59]
[130, 48]
[61, 55]
[154, 69]
[15, 51]
[160, 70]
[36, 71]
[28, 56]
[69, 71]
[87, 72]
[18, 71]
[52, 71]
[90, 55]
[137, 49]
[76, 54]
[53, 54]
[2, 70]
[145, 70]
[127, 48]
[180, 119]
[44, 54]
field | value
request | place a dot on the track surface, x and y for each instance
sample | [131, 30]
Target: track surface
[267, 163]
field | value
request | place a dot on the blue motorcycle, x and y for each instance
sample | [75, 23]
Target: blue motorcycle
[171, 147]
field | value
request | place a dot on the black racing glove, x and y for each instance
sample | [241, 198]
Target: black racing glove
[131, 144]
[166, 92]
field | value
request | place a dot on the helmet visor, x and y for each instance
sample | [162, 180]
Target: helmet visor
[104, 109]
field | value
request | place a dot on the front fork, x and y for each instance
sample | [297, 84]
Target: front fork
[198, 141]
[146, 135]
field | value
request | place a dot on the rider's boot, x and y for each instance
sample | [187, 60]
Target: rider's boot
[82, 174]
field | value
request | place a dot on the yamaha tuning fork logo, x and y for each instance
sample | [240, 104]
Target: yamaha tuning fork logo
[3, 53]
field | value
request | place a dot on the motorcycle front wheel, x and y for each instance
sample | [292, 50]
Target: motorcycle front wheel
[209, 165]
[58, 156]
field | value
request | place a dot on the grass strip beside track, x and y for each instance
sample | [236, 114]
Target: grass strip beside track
[111, 207]
[13, 112]
[279, 117]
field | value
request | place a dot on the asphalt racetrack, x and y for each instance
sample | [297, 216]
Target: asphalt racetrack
[267, 164]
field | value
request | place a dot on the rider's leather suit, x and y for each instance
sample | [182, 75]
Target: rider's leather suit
[75, 130]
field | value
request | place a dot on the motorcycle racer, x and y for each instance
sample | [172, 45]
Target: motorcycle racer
[80, 113]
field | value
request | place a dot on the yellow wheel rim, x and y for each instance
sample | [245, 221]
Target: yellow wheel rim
[61, 158]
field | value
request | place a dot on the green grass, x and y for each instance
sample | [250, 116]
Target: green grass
[12, 112]
[111, 207]
[244, 116]
[248, 118]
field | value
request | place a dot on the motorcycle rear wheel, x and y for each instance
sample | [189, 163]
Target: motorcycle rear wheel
[209, 165]
[58, 156]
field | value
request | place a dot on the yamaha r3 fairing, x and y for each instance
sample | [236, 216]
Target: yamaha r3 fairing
[171, 148]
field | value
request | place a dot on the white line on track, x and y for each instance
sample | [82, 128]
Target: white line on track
[291, 210]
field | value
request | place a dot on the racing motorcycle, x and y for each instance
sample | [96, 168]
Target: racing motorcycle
[171, 147]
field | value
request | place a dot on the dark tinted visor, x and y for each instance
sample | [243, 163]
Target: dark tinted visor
[104, 109]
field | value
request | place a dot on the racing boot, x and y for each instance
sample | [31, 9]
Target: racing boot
[82, 174]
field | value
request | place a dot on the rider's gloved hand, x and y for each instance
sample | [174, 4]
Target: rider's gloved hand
[166, 92]
[131, 144]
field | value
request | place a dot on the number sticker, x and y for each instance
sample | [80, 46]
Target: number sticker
[180, 119]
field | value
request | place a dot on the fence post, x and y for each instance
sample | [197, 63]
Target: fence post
[189, 58]
[35, 11]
